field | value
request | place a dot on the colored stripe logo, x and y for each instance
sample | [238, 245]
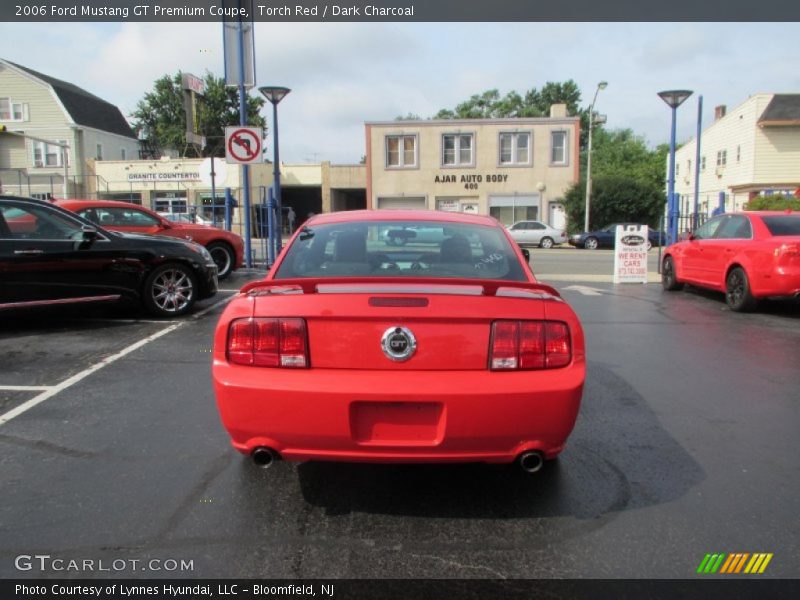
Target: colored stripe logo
[735, 563]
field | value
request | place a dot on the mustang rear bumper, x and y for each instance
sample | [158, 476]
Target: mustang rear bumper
[391, 416]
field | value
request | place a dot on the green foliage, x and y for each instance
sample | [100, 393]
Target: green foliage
[615, 198]
[628, 181]
[408, 117]
[160, 114]
[534, 103]
[774, 202]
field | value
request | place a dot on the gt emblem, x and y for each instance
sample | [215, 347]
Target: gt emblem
[398, 343]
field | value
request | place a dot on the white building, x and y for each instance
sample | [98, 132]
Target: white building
[753, 149]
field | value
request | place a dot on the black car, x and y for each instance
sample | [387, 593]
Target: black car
[604, 238]
[50, 256]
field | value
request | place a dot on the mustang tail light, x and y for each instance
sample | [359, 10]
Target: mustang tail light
[520, 345]
[262, 342]
[788, 250]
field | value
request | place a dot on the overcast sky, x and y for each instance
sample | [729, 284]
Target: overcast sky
[343, 74]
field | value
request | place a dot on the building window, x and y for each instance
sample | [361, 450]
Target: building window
[558, 148]
[515, 148]
[401, 151]
[677, 169]
[49, 155]
[457, 149]
[722, 158]
[738, 153]
[99, 153]
[702, 163]
[689, 166]
[123, 154]
[13, 111]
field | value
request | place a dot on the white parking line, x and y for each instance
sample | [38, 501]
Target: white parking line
[49, 392]
[25, 388]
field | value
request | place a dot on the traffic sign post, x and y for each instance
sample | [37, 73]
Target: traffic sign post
[243, 145]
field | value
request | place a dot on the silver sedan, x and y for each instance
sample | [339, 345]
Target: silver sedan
[536, 233]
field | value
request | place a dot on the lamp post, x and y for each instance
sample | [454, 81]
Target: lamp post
[673, 98]
[275, 94]
[600, 86]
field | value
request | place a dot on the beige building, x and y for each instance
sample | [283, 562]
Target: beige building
[513, 169]
[40, 112]
[183, 185]
[753, 149]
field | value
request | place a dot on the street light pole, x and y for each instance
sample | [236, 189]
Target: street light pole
[673, 98]
[275, 94]
[600, 86]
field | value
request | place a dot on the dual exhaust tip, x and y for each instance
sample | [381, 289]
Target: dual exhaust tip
[264, 457]
[530, 462]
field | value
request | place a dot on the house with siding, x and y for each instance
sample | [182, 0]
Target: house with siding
[753, 149]
[55, 132]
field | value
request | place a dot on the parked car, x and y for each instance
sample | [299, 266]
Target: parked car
[50, 256]
[353, 349]
[186, 218]
[748, 256]
[604, 238]
[226, 248]
[536, 233]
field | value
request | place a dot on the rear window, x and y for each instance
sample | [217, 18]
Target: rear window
[783, 224]
[401, 249]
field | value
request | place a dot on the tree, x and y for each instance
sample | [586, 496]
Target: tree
[615, 198]
[620, 155]
[408, 117]
[160, 115]
[533, 103]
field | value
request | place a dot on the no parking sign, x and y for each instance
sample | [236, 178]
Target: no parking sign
[243, 145]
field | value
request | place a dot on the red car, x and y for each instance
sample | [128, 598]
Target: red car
[354, 349]
[226, 248]
[747, 255]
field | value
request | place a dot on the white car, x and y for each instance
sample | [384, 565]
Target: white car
[185, 218]
[536, 233]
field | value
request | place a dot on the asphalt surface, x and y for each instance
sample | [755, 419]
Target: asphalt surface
[686, 444]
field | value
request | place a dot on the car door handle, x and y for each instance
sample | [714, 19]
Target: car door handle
[29, 252]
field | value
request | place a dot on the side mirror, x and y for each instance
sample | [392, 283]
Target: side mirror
[166, 223]
[526, 253]
[690, 237]
[88, 233]
[88, 237]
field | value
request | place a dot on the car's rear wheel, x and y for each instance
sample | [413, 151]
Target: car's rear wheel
[546, 242]
[170, 290]
[668, 279]
[649, 245]
[737, 291]
[590, 243]
[224, 258]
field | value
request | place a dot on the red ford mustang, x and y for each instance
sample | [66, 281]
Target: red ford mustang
[354, 349]
[747, 255]
[226, 248]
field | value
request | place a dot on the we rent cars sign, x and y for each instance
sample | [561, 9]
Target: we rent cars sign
[630, 254]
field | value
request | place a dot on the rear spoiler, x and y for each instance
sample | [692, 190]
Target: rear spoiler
[489, 287]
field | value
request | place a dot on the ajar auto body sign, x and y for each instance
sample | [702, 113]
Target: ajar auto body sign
[630, 254]
[470, 181]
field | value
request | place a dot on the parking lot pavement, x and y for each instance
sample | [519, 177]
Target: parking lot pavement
[686, 444]
[45, 350]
